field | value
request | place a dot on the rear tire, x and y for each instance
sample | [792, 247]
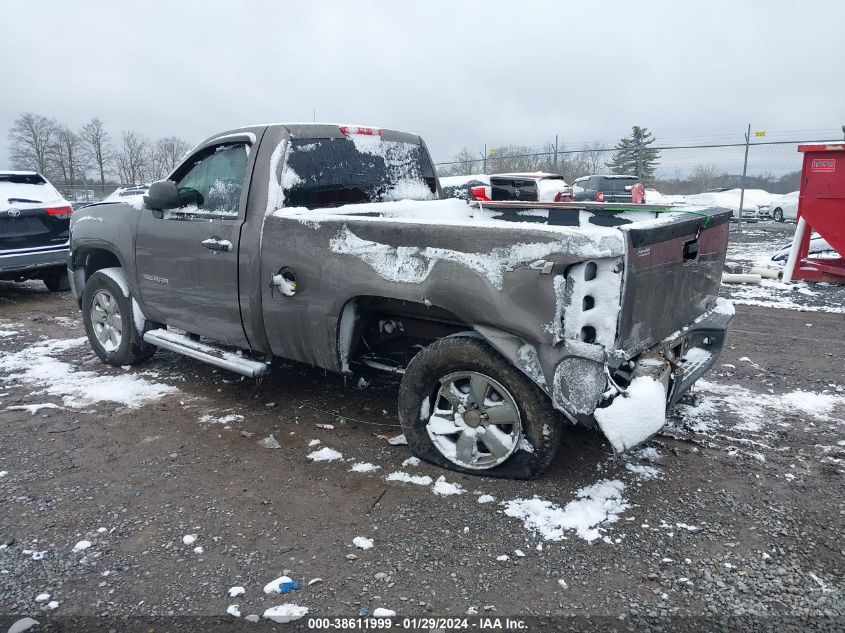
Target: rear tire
[57, 282]
[778, 215]
[107, 315]
[520, 450]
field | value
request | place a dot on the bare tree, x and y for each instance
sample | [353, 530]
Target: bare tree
[594, 155]
[703, 176]
[97, 146]
[31, 138]
[131, 159]
[68, 155]
[165, 155]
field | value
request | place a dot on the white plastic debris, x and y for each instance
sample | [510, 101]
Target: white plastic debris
[273, 585]
[398, 440]
[269, 442]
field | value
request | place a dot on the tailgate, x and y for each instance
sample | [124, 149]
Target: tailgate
[24, 228]
[672, 276]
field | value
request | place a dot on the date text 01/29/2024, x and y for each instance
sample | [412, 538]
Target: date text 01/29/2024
[418, 624]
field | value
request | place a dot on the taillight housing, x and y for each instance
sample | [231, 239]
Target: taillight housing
[479, 193]
[599, 196]
[349, 130]
[59, 212]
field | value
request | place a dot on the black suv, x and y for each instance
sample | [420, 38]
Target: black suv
[34, 230]
[604, 188]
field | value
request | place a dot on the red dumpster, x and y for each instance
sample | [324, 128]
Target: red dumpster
[821, 208]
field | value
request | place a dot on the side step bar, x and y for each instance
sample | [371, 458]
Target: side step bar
[181, 344]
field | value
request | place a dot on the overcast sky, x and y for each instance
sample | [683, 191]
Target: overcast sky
[459, 73]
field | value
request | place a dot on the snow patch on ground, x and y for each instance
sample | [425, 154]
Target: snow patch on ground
[596, 505]
[363, 467]
[325, 454]
[444, 488]
[362, 542]
[420, 480]
[38, 366]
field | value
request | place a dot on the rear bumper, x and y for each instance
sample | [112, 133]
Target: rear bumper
[28, 263]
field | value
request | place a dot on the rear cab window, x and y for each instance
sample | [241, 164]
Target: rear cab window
[331, 172]
[618, 184]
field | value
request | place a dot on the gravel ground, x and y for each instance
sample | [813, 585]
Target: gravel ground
[737, 514]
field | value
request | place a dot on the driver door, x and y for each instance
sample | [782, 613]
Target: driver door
[187, 258]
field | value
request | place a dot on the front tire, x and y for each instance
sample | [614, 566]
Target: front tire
[107, 315]
[464, 407]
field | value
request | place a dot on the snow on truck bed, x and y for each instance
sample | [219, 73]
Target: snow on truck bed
[413, 264]
[455, 212]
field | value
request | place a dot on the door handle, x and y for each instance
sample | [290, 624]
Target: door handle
[217, 244]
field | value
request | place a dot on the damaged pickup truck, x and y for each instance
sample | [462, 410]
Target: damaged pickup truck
[328, 245]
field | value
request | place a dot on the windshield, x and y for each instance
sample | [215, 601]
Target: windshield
[330, 172]
[25, 188]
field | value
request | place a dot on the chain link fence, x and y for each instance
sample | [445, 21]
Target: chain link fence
[774, 166]
[88, 193]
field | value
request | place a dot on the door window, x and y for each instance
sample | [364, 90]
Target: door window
[212, 185]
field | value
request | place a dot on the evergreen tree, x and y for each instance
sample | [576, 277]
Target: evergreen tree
[635, 156]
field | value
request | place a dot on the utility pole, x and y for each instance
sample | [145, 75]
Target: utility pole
[484, 159]
[744, 171]
[556, 169]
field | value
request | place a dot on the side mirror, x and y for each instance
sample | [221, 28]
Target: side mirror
[162, 194]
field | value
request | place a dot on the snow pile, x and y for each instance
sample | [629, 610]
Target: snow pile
[37, 366]
[325, 454]
[362, 542]
[285, 613]
[381, 612]
[189, 539]
[634, 417]
[420, 480]
[486, 499]
[236, 591]
[81, 546]
[598, 504]
[444, 488]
